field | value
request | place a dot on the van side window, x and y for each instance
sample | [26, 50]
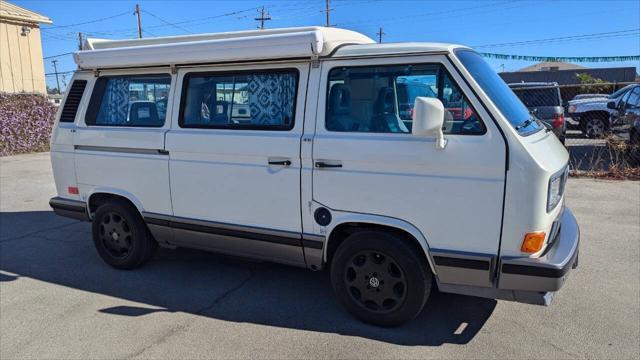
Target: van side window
[380, 99]
[139, 100]
[261, 100]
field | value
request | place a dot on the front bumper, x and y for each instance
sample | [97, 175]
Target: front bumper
[549, 271]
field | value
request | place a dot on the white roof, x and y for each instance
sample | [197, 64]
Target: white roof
[395, 48]
[302, 42]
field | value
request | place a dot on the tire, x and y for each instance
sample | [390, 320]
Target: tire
[594, 126]
[120, 235]
[362, 264]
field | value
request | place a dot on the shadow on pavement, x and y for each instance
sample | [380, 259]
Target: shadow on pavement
[218, 287]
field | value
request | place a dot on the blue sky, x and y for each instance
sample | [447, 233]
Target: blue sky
[474, 23]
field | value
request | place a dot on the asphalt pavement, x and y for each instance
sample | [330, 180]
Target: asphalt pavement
[59, 300]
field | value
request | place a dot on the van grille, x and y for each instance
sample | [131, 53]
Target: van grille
[73, 101]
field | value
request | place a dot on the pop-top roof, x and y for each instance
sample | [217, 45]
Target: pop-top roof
[303, 42]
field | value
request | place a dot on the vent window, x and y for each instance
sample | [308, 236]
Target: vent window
[73, 101]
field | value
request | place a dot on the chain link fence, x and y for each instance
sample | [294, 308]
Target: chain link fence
[598, 123]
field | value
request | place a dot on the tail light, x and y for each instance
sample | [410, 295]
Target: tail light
[558, 121]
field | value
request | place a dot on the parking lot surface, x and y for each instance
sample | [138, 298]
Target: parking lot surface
[59, 300]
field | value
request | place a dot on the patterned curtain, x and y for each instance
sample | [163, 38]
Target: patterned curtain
[271, 98]
[115, 102]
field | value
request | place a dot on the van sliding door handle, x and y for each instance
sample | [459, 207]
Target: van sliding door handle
[281, 162]
[322, 164]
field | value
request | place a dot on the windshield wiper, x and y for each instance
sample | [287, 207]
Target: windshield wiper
[525, 124]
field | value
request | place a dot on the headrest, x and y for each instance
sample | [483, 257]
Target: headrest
[385, 104]
[340, 100]
[144, 112]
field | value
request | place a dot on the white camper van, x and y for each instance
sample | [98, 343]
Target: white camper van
[397, 167]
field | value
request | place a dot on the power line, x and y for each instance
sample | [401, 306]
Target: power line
[387, 20]
[167, 22]
[87, 22]
[55, 56]
[565, 38]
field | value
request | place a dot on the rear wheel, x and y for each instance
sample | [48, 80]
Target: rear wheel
[120, 235]
[379, 278]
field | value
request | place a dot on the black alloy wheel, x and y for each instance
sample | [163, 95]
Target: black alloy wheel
[121, 236]
[375, 281]
[381, 277]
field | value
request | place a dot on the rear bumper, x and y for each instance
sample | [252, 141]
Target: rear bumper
[548, 272]
[69, 208]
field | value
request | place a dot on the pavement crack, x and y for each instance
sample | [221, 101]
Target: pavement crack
[174, 330]
[227, 293]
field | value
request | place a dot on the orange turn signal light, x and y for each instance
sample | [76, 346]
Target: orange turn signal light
[533, 242]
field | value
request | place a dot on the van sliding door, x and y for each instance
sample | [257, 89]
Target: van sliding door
[235, 160]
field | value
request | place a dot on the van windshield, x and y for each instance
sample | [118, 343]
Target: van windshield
[500, 94]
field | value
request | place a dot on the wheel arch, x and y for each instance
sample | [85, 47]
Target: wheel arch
[346, 224]
[603, 114]
[98, 195]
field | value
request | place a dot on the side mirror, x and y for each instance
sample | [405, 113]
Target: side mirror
[611, 105]
[428, 119]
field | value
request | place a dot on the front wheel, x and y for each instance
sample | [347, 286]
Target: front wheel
[121, 236]
[594, 127]
[379, 278]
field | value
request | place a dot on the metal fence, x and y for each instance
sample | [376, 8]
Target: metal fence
[598, 123]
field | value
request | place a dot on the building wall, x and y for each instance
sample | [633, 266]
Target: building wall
[21, 63]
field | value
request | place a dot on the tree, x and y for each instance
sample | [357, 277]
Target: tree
[592, 85]
[51, 91]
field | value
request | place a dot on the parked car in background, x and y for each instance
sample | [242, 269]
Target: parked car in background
[628, 112]
[594, 116]
[544, 100]
[589, 96]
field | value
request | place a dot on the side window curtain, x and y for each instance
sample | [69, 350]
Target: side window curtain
[271, 97]
[261, 100]
[380, 99]
[131, 100]
[115, 102]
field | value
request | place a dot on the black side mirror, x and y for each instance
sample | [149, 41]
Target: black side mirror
[611, 105]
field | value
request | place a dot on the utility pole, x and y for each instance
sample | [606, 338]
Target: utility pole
[139, 23]
[380, 33]
[79, 41]
[264, 16]
[328, 11]
[55, 70]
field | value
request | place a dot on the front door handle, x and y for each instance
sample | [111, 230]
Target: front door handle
[280, 162]
[322, 164]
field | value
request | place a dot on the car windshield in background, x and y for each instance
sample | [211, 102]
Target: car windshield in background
[617, 94]
[497, 90]
[538, 96]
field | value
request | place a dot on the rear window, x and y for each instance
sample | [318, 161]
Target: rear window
[538, 96]
[138, 100]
